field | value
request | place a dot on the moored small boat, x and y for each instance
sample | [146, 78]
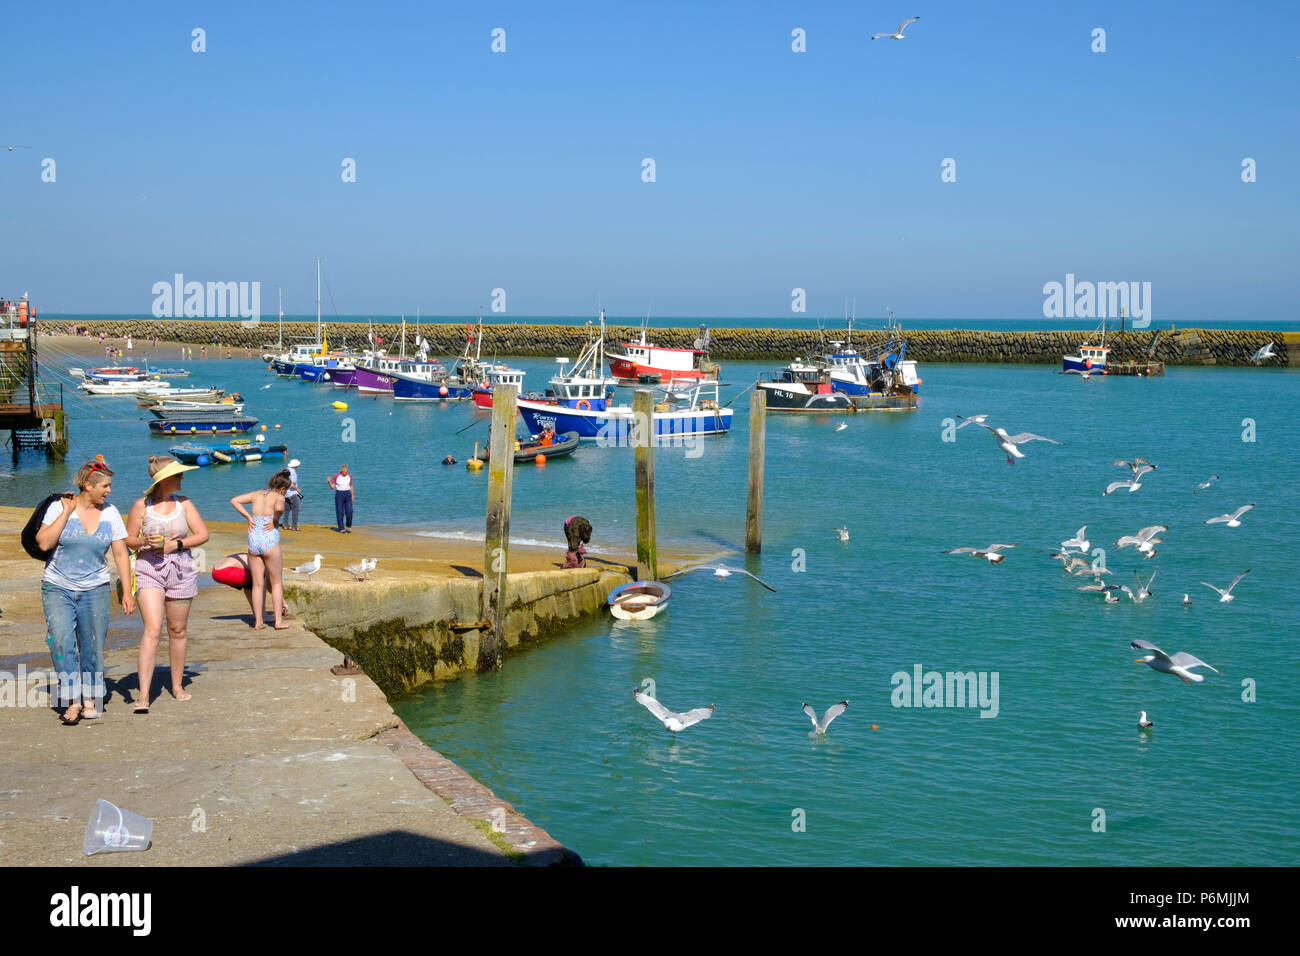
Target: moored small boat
[638, 601]
[237, 451]
[526, 451]
[231, 424]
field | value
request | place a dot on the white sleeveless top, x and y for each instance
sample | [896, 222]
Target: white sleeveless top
[171, 525]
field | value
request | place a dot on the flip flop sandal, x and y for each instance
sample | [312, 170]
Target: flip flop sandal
[71, 722]
[141, 709]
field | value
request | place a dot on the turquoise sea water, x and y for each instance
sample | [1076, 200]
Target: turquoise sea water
[557, 733]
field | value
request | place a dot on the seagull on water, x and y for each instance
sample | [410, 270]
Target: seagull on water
[1205, 484]
[1225, 594]
[1233, 520]
[1264, 354]
[1143, 590]
[841, 426]
[673, 721]
[720, 571]
[1187, 601]
[1078, 542]
[1145, 540]
[1106, 590]
[1143, 723]
[310, 568]
[842, 533]
[833, 711]
[1179, 664]
[1007, 442]
[991, 552]
[266, 386]
[899, 34]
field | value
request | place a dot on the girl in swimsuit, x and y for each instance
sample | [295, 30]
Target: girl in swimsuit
[264, 557]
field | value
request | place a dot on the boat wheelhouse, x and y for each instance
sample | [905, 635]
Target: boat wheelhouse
[498, 375]
[644, 363]
[1091, 358]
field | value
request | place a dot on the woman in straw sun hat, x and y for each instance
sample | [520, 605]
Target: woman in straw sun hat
[164, 526]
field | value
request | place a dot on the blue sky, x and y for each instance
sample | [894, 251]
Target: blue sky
[774, 169]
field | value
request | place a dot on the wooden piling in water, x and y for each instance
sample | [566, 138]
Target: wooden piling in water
[496, 541]
[642, 437]
[757, 443]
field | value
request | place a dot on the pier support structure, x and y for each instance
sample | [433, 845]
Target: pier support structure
[643, 428]
[757, 444]
[496, 541]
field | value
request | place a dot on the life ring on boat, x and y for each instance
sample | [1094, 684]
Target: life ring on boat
[1087, 363]
[584, 405]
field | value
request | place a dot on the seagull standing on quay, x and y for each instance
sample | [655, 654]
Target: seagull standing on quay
[1179, 664]
[1233, 520]
[833, 711]
[1225, 594]
[673, 721]
[1007, 442]
[310, 568]
[363, 569]
[898, 35]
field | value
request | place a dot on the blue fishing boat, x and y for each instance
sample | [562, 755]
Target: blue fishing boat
[887, 381]
[233, 425]
[677, 416]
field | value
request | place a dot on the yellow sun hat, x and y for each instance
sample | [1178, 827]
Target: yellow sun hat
[174, 468]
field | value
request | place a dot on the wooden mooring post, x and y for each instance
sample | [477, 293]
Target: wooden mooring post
[642, 438]
[757, 443]
[496, 541]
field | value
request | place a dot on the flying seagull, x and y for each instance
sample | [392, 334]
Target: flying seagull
[1262, 355]
[833, 711]
[1143, 590]
[1007, 442]
[12, 148]
[1205, 484]
[1225, 594]
[1145, 540]
[991, 552]
[841, 426]
[1135, 464]
[720, 571]
[973, 420]
[1179, 664]
[1083, 373]
[1078, 542]
[1233, 520]
[673, 721]
[899, 34]
[1132, 484]
[310, 568]
[1143, 723]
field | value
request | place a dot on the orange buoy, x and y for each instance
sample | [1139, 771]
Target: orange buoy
[875, 726]
[540, 459]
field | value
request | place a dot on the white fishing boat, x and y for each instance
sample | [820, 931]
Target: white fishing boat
[119, 388]
[639, 601]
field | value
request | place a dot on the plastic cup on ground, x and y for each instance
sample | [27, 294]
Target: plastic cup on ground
[113, 830]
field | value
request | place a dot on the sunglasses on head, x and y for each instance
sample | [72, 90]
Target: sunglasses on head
[98, 466]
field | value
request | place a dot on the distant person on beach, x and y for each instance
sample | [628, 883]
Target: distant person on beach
[233, 571]
[293, 497]
[264, 556]
[344, 497]
[577, 531]
[80, 529]
[203, 351]
[163, 526]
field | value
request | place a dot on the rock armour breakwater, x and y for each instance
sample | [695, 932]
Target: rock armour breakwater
[1180, 347]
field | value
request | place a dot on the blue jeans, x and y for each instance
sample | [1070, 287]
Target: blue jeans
[77, 622]
[291, 505]
[343, 507]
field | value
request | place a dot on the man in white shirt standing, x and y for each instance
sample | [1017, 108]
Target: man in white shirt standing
[343, 498]
[293, 497]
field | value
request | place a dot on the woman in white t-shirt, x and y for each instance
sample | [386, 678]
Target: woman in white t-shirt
[344, 495]
[80, 530]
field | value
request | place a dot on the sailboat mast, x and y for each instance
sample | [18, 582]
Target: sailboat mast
[318, 336]
[280, 344]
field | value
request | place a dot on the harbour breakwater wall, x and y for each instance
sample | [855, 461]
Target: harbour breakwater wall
[412, 630]
[1171, 346]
